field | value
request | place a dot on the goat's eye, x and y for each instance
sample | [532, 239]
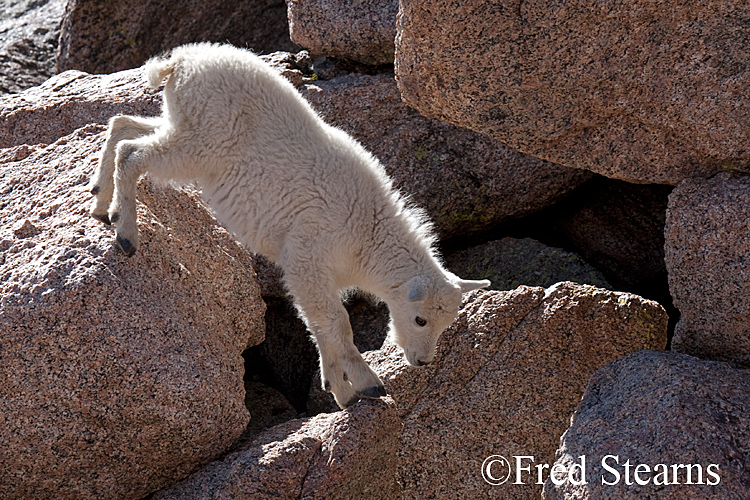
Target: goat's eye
[420, 321]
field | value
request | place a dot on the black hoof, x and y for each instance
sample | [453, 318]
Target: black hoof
[125, 245]
[102, 218]
[95, 190]
[373, 392]
[115, 217]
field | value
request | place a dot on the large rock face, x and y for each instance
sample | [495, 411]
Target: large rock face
[507, 377]
[29, 30]
[707, 255]
[466, 181]
[72, 100]
[347, 455]
[639, 91]
[362, 30]
[660, 408]
[104, 37]
[119, 375]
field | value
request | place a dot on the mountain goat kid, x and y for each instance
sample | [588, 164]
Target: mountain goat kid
[289, 186]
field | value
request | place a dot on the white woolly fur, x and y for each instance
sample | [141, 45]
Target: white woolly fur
[293, 188]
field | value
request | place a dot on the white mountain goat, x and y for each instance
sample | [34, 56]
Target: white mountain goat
[289, 186]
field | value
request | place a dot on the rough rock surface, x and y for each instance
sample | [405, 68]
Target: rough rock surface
[467, 182]
[508, 374]
[69, 101]
[362, 30]
[347, 455]
[634, 90]
[708, 260]
[29, 30]
[302, 67]
[119, 376]
[511, 262]
[104, 37]
[660, 408]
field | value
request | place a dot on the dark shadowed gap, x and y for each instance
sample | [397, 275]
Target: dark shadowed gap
[615, 226]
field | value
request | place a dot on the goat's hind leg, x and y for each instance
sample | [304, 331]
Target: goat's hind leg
[129, 166]
[101, 184]
[163, 155]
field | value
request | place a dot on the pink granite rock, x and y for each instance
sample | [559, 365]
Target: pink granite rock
[707, 256]
[656, 408]
[65, 102]
[118, 376]
[348, 455]
[362, 30]
[508, 375]
[466, 181]
[634, 90]
[104, 37]
[29, 30]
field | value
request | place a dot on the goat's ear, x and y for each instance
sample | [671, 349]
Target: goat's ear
[417, 290]
[469, 285]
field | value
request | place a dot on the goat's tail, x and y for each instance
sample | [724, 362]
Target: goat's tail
[157, 69]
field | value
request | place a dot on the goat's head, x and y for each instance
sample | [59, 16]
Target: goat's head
[424, 307]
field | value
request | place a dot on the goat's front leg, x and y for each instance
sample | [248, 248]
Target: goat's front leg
[343, 372]
[102, 184]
